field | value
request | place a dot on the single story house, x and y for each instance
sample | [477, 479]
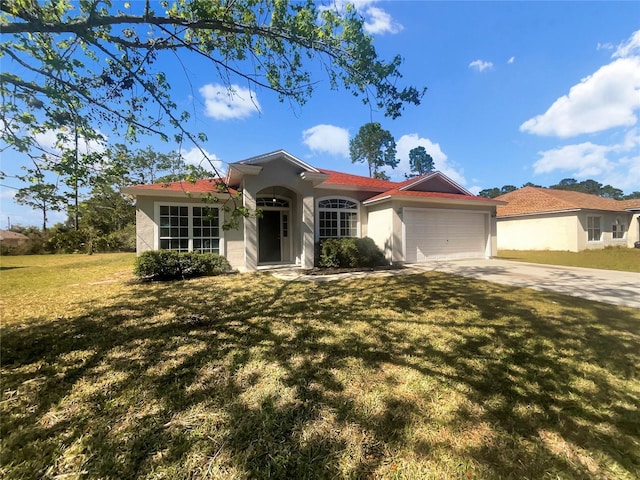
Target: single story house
[423, 218]
[12, 240]
[536, 218]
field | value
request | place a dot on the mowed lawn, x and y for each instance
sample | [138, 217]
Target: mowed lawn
[246, 376]
[618, 258]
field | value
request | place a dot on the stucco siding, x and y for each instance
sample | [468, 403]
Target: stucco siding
[633, 235]
[544, 232]
[380, 229]
[234, 246]
[607, 220]
[145, 226]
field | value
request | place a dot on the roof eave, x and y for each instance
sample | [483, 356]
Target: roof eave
[455, 201]
[352, 188]
[147, 192]
[529, 214]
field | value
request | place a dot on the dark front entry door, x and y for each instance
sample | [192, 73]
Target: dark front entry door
[269, 237]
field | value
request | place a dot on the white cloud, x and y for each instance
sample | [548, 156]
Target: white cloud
[604, 100]
[197, 158]
[379, 21]
[54, 140]
[583, 159]
[511, 60]
[376, 20]
[628, 48]
[226, 103]
[440, 161]
[617, 164]
[481, 65]
[328, 139]
[604, 46]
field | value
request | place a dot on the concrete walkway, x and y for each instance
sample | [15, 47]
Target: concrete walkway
[608, 286]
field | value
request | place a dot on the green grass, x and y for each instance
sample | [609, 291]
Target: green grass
[613, 258]
[247, 376]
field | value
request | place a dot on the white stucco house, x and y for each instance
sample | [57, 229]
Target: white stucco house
[424, 218]
[535, 218]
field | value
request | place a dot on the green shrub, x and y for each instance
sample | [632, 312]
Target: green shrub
[171, 265]
[350, 253]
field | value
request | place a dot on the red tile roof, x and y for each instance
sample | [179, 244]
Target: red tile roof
[340, 178]
[208, 185]
[531, 200]
[381, 188]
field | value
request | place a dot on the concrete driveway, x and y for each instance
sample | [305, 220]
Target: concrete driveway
[609, 286]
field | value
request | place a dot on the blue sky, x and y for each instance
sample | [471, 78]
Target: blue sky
[517, 92]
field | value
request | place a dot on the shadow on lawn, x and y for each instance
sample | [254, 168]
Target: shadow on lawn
[191, 379]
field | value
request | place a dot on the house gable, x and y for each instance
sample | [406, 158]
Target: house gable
[434, 182]
[280, 161]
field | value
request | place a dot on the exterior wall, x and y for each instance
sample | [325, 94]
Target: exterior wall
[543, 232]
[232, 241]
[234, 246]
[379, 221]
[567, 231]
[607, 219]
[145, 225]
[633, 234]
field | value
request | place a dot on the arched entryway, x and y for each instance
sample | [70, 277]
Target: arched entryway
[274, 226]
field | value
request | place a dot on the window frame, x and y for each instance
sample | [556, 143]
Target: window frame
[617, 228]
[190, 225]
[592, 228]
[338, 218]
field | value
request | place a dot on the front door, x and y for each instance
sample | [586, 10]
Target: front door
[269, 237]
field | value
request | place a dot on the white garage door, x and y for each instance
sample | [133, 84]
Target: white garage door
[443, 235]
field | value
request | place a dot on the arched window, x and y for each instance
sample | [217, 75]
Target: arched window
[337, 217]
[272, 202]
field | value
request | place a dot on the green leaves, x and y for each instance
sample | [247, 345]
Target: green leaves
[90, 64]
[375, 146]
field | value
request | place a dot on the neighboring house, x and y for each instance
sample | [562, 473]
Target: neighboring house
[12, 240]
[424, 218]
[547, 219]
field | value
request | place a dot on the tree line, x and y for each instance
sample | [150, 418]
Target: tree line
[87, 187]
[589, 186]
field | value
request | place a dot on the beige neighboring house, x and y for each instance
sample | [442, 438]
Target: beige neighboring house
[424, 218]
[547, 219]
[11, 240]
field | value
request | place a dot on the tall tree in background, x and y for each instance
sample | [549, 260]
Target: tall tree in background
[376, 146]
[420, 162]
[40, 195]
[101, 60]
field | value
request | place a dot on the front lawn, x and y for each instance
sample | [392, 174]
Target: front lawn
[246, 376]
[625, 259]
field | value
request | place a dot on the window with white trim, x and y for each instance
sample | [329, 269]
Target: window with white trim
[189, 228]
[618, 230]
[594, 229]
[206, 230]
[174, 228]
[337, 217]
